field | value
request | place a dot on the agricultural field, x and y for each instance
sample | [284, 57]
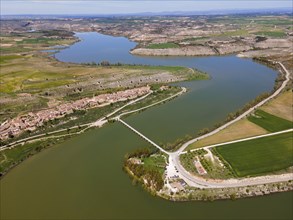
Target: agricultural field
[269, 122]
[259, 156]
[30, 80]
[238, 130]
[26, 42]
[281, 106]
[277, 34]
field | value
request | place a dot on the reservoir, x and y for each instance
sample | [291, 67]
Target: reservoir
[82, 178]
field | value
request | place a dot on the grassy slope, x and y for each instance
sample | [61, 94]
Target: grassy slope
[259, 156]
[35, 74]
[42, 79]
[269, 122]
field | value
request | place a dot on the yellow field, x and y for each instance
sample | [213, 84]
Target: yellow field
[240, 129]
[281, 106]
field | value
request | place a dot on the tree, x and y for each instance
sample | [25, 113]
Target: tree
[105, 63]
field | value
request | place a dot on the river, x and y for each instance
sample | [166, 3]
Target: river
[82, 178]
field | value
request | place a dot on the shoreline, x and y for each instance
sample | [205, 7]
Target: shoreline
[196, 182]
[106, 119]
[212, 194]
[288, 183]
[262, 101]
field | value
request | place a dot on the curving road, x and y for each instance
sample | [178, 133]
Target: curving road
[196, 181]
[174, 167]
[241, 140]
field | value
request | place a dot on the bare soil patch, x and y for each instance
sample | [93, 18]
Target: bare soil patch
[241, 129]
[282, 106]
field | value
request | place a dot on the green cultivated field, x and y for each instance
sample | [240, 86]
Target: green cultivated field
[259, 156]
[271, 33]
[269, 122]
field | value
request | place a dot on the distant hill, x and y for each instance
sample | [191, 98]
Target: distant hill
[163, 13]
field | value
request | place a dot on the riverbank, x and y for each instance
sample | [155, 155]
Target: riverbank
[196, 194]
[177, 190]
[31, 145]
[254, 189]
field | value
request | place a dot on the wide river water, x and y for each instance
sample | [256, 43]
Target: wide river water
[82, 178]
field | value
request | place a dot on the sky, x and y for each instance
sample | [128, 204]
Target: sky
[103, 7]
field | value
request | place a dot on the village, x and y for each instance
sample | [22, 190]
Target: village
[32, 120]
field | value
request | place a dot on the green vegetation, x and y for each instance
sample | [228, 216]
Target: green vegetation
[233, 33]
[41, 41]
[187, 160]
[214, 169]
[10, 110]
[271, 33]
[162, 46]
[81, 117]
[29, 80]
[155, 161]
[197, 75]
[76, 118]
[150, 172]
[173, 69]
[11, 157]
[32, 41]
[5, 59]
[275, 21]
[155, 97]
[269, 122]
[142, 152]
[177, 143]
[259, 156]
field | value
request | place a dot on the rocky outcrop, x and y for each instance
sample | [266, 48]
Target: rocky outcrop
[232, 48]
[183, 51]
[219, 49]
[274, 43]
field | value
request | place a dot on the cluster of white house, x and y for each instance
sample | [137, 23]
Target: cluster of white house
[32, 120]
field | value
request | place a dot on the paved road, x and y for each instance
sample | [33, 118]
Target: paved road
[151, 105]
[97, 123]
[202, 183]
[241, 140]
[100, 122]
[242, 115]
[174, 161]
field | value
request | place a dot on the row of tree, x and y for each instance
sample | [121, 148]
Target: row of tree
[141, 152]
[150, 177]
